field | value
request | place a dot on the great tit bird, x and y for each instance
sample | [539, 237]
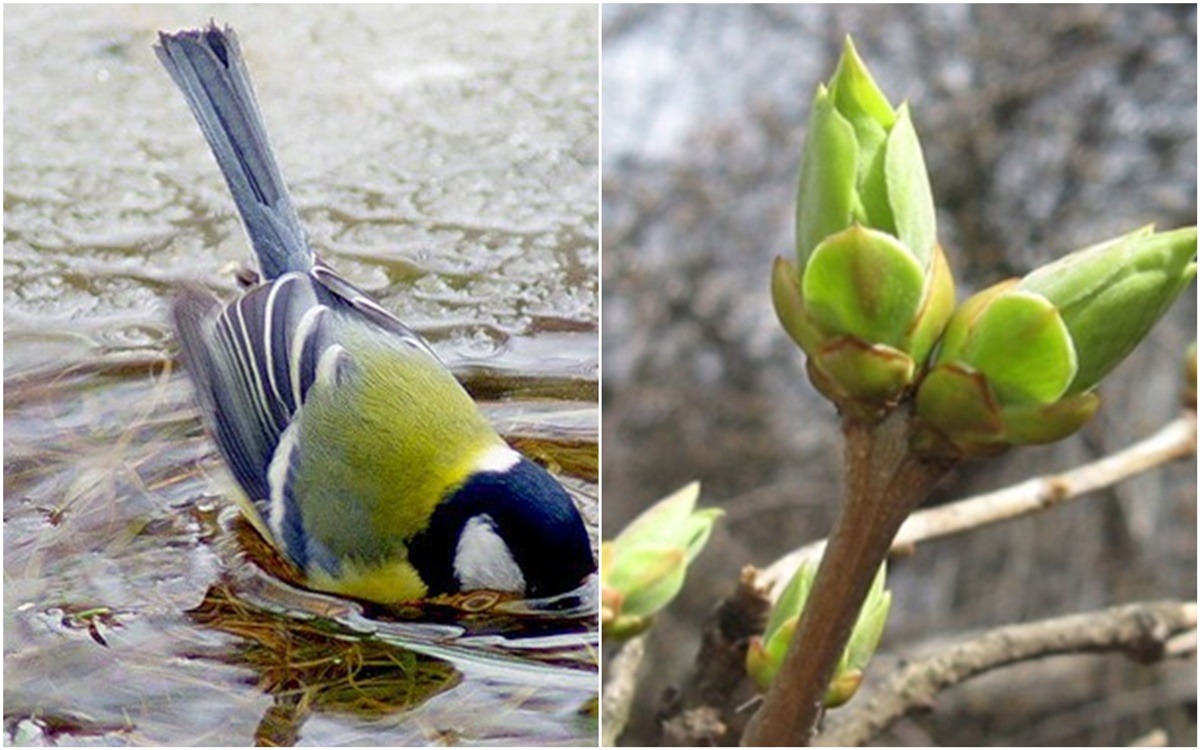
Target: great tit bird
[361, 457]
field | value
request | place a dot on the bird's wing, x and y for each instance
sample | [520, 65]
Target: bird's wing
[253, 361]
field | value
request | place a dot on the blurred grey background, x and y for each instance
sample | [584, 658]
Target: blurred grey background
[1045, 128]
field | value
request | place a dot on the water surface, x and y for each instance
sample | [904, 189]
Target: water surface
[442, 158]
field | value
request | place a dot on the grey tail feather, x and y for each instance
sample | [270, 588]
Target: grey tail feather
[208, 68]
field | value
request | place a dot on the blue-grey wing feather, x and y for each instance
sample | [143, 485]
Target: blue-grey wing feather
[223, 400]
[254, 361]
[344, 295]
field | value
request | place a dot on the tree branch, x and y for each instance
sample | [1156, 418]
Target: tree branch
[1142, 631]
[885, 481]
[703, 711]
[620, 688]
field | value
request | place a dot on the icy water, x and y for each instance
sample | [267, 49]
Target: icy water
[442, 158]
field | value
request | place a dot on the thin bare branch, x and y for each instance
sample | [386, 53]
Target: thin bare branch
[1141, 631]
[1153, 738]
[621, 681]
[1174, 441]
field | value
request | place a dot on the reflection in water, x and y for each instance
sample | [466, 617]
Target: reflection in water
[315, 653]
[308, 666]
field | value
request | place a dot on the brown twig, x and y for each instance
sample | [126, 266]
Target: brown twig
[703, 712]
[884, 483]
[1141, 631]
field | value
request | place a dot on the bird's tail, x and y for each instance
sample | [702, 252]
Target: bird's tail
[207, 66]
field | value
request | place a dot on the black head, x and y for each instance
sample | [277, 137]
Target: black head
[512, 530]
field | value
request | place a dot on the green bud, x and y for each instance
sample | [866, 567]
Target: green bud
[765, 655]
[644, 568]
[1017, 362]
[871, 290]
[1111, 295]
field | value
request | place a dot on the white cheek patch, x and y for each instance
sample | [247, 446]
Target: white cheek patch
[482, 560]
[497, 460]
